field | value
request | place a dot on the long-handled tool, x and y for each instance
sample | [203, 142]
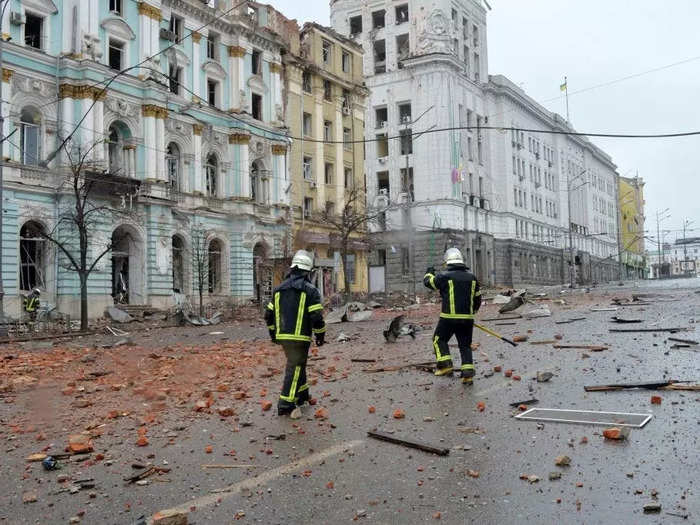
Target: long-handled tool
[498, 336]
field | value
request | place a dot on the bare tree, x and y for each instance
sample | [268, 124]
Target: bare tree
[81, 218]
[352, 219]
[199, 248]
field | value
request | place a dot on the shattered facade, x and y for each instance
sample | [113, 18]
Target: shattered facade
[191, 141]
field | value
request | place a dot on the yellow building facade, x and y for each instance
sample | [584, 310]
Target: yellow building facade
[325, 112]
[631, 207]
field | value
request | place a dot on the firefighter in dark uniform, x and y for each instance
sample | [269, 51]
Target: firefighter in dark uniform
[32, 303]
[461, 300]
[293, 315]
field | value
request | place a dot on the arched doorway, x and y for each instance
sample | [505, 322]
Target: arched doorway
[32, 252]
[179, 278]
[127, 266]
[262, 273]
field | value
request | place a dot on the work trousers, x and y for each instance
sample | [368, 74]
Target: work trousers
[462, 329]
[295, 391]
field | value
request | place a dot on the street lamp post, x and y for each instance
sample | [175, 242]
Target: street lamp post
[2, 162]
[659, 240]
[686, 223]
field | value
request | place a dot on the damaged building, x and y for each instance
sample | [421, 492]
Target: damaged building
[188, 139]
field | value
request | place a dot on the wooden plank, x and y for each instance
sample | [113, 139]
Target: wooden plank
[507, 318]
[592, 348]
[647, 386]
[553, 341]
[633, 330]
[425, 447]
[360, 360]
[684, 341]
[571, 320]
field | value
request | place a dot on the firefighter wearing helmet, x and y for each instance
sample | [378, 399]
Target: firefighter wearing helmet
[294, 315]
[461, 300]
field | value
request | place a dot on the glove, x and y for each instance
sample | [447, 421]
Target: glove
[431, 270]
[320, 339]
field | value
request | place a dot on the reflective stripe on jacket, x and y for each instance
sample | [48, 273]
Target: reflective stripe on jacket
[295, 312]
[461, 296]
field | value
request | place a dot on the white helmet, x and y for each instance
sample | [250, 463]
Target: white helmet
[303, 260]
[453, 256]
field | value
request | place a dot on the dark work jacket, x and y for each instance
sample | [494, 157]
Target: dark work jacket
[461, 297]
[295, 311]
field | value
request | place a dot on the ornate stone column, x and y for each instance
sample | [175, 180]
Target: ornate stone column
[236, 74]
[161, 115]
[196, 73]
[276, 93]
[98, 123]
[280, 178]
[339, 158]
[199, 186]
[241, 140]
[7, 95]
[149, 26]
[149, 139]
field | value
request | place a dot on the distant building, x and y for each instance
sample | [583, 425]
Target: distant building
[684, 257]
[631, 205]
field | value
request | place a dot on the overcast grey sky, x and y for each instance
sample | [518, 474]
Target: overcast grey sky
[536, 42]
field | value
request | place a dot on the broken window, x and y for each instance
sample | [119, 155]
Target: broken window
[211, 174]
[306, 81]
[116, 54]
[401, 14]
[256, 62]
[115, 6]
[308, 207]
[213, 46]
[381, 117]
[326, 52]
[327, 131]
[32, 246]
[477, 76]
[174, 78]
[212, 92]
[178, 248]
[383, 183]
[29, 135]
[308, 172]
[402, 49]
[330, 209]
[347, 139]
[405, 113]
[346, 62]
[327, 90]
[215, 266]
[382, 146]
[115, 150]
[355, 25]
[257, 106]
[348, 181]
[307, 124]
[33, 30]
[172, 165]
[406, 141]
[378, 19]
[379, 57]
[328, 173]
[176, 26]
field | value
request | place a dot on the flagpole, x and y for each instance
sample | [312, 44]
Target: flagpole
[566, 89]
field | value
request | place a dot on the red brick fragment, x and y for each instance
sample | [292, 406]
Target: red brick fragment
[371, 409]
[508, 373]
[266, 405]
[399, 414]
[497, 368]
[481, 406]
[321, 413]
[516, 378]
[655, 400]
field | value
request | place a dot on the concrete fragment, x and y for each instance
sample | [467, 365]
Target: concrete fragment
[553, 476]
[398, 414]
[80, 444]
[520, 338]
[562, 461]
[225, 411]
[117, 315]
[652, 507]
[169, 517]
[543, 377]
[616, 433]
[542, 311]
[30, 497]
[655, 400]
[533, 479]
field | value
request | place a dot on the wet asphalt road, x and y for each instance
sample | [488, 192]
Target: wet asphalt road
[331, 472]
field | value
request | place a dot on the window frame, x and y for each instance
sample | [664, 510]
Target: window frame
[24, 127]
[42, 29]
[212, 48]
[118, 8]
[216, 84]
[177, 26]
[326, 52]
[256, 61]
[122, 52]
[173, 159]
[211, 174]
[346, 62]
[253, 97]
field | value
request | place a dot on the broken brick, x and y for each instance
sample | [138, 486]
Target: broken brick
[208, 449]
[481, 406]
[508, 373]
[321, 413]
[80, 444]
[371, 409]
[523, 408]
[655, 400]
[497, 368]
[169, 517]
[473, 473]
[142, 441]
[266, 405]
[399, 414]
[225, 411]
[519, 338]
[238, 395]
[330, 485]
[516, 378]
[613, 433]
[437, 515]
[562, 461]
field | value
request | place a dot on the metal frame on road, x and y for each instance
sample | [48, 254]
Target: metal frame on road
[569, 416]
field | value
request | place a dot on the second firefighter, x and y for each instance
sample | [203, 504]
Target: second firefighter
[461, 300]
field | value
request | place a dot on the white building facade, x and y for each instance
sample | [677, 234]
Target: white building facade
[547, 182]
[425, 61]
